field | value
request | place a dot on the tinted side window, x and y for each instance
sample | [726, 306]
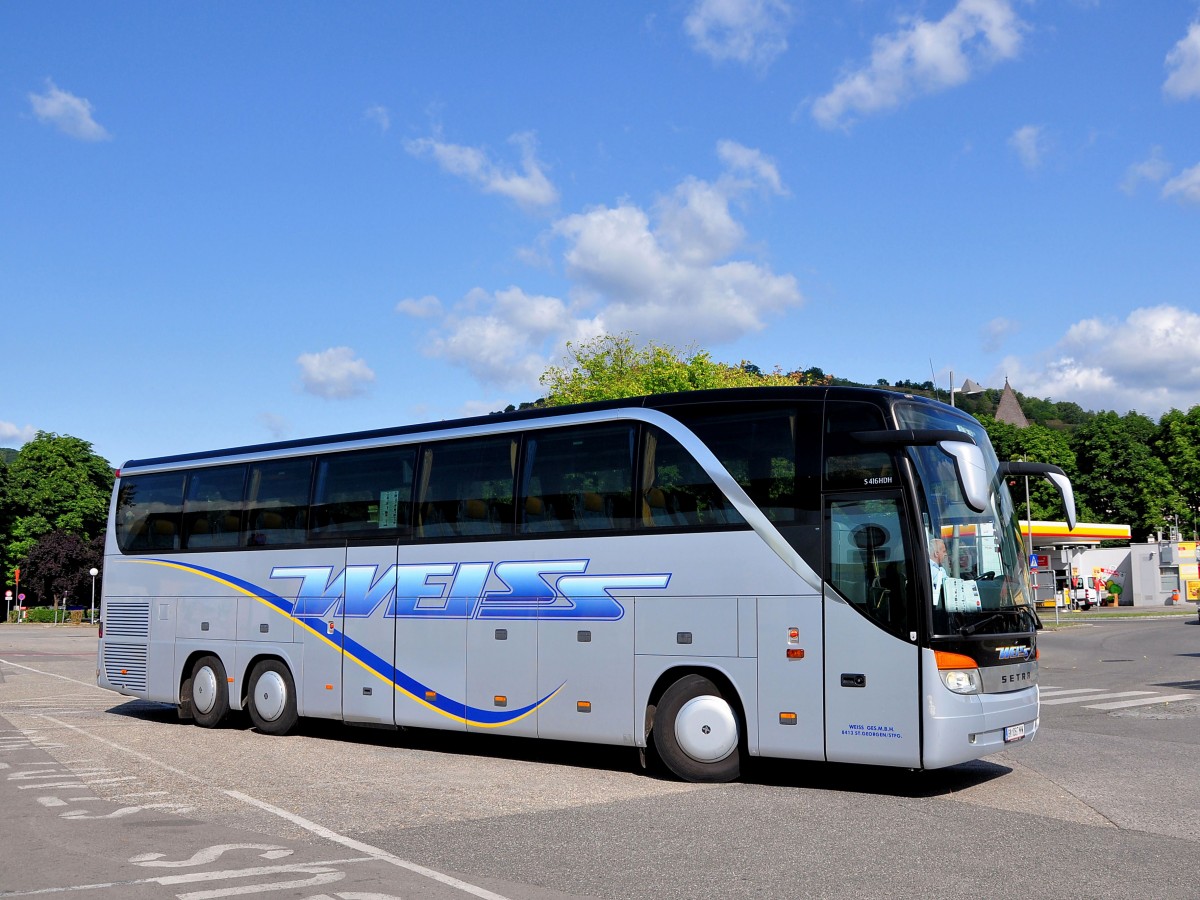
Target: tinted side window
[277, 501]
[212, 507]
[848, 465]
[148, 512]
[868, 563]
[775, 455]
[676, 491]
[365, 494]
[465, 488]
[578, 479]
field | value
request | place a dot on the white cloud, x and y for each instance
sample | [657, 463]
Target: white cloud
[13, 436]
[670, 273]
[276, 425]
[501, 338]
[753, 163]
[420, 308]
[922, 58]
[69, 114]
[1184, 187]
[378, 113]
[1029, 143]
[335, 373]
[1144, 362]
[751, 32]
[529, 187]
[1153, 169]
[1183, 64]
[997, 331]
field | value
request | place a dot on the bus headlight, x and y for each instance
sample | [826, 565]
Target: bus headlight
[961, 681]
[959, 672]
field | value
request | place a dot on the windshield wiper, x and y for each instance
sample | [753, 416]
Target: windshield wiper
[971, 629]
[1019, 611]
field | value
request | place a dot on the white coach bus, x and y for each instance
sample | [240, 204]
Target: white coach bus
[808, 573]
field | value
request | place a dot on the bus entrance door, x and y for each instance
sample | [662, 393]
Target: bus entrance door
[872, 703]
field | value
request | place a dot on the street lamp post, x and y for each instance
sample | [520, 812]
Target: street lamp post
[93, 571]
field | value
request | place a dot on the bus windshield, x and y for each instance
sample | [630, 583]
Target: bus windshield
[978, 568]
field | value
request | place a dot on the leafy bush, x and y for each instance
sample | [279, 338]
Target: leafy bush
[43, 614]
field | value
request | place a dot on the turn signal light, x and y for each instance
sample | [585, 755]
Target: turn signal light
[795, 653]
[787, 718]
[948, 660]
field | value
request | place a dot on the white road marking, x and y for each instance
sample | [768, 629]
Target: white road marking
[382, 855]
[1096, 697]
[320, 867]
[207, 855]
[53, 675]
[1144, 702]
[1059, 692]
[324, 878]
[313, 827]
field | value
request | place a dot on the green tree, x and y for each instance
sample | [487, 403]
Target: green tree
[1036, 444]
[611, 366]
[1178, 446]
[56, 483]
[1120, 479]
[5, 517]
[56, 569]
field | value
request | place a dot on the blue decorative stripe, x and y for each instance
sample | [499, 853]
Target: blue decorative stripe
[337, 639]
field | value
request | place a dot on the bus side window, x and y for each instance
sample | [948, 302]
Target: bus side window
[212, 507]
[577, 479]
[676, 491]
[466, 488]
[365, 493]
[868, 564]
[277, 501]
[774, 453]
[149, 508]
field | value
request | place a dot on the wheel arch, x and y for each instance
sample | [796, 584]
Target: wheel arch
[183, 687]
[248, 668]
[715, 674]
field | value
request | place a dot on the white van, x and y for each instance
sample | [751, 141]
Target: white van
[1082, 596]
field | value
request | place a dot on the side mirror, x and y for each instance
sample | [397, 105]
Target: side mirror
[968, 459]
[971, 471]
[1051, 473]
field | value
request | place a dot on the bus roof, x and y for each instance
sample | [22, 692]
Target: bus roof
[665, 402]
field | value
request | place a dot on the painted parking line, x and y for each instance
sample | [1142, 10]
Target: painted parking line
[314, 828]
[1053, 702]
[1144, 702]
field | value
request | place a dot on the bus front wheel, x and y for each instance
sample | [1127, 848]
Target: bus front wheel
[696, 731]
[272, 698]
[210, 692]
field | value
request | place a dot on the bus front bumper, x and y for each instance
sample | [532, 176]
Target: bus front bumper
[959, 728]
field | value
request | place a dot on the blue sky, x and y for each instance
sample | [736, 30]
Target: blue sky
[230, 223]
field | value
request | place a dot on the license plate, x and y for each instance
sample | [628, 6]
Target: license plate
[1014, 733]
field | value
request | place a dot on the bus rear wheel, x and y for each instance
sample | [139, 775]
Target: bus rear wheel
[272, 703]
[210, 692]
[696, 731]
